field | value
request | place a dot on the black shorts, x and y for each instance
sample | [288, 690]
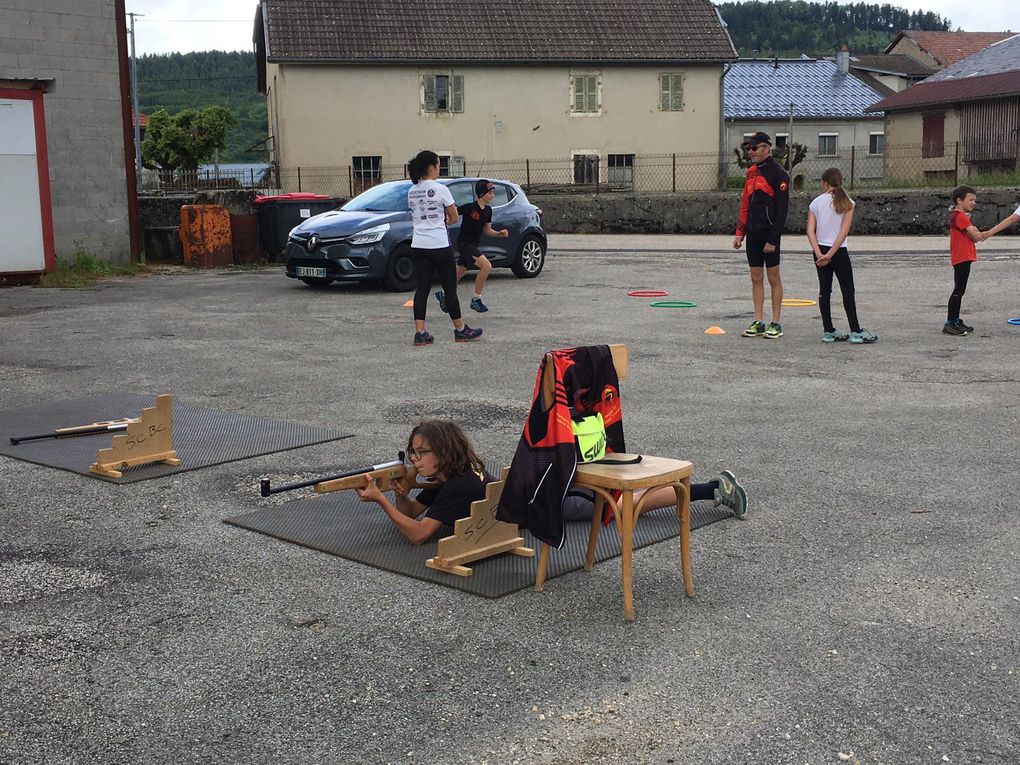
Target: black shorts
[467, 253]
[756, 255]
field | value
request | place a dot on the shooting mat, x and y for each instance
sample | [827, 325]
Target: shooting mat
[202, 437]
[341, 524]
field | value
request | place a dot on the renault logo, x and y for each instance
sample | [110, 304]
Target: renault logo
[312, 243]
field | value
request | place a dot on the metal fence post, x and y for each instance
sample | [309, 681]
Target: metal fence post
[597, 174]
[350, 181]
[674, 172]
[956, 166]
[527, 173]
[853, 162]
[299, 178]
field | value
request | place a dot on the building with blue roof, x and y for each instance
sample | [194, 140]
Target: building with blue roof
[815, 102]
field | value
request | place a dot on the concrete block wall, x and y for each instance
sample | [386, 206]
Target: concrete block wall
[74, 43]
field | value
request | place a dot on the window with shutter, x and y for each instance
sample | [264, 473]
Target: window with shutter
[933, 141]
[429, 90]
[671, 92]
[457, 93]
[584, 94]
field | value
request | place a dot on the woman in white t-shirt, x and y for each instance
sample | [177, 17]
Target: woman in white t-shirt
[432, 210]
[828, 223]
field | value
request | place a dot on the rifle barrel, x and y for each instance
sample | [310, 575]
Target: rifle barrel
[83, 431]
[265, 488]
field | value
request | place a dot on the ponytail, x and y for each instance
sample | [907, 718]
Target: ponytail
[841, 203]
[419, 164]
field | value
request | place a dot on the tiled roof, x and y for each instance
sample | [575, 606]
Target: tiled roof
[949, 47]
[510, 31]
[890, 63]
[991, 73]
[816, 88]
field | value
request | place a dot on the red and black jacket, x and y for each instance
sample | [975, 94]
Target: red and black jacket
[546, 458]
[765, 201]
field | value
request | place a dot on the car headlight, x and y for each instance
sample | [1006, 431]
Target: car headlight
[369, 235]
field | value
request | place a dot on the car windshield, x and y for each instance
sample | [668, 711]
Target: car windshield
[386, 197]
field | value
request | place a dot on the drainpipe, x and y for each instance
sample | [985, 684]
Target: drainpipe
[723, 149]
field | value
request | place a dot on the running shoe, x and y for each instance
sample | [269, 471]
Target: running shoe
[731, 494]
[834, 337]
[441, 297]
[467, 334]
[757, 329]
[952, 328]
[965, 326]
[774, 330]
[863, 337]
[423, 338]
[478, 305]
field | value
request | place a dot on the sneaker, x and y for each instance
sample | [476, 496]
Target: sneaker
[423, 338]
[863, 337]
[441, 297]
[774, 330]
[952, 328]
[965, 326]
[467, 334]
[478, 305]
[757, 329]
[834, 337]
[731, 494]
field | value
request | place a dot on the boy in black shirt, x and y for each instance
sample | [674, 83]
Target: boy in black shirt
[476, 220]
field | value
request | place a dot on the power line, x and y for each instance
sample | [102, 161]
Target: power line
[201, 21]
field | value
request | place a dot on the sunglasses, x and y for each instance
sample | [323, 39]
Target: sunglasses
[752, 147]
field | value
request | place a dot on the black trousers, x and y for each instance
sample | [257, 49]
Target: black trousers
[961, 273]
[844, 272]
[428, 264]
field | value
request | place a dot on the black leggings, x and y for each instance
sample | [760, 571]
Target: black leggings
[840, 266]
[427, 263]
[579, 504]
[961, 273]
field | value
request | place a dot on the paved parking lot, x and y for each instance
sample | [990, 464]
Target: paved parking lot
[868, 602]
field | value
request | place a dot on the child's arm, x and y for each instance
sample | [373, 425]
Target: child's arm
[812, 236]
[974, 234]
[844, 229]
[1002, 225]
[490, 231]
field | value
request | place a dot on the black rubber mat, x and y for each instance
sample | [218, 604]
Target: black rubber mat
[343, 525]
[202, 437]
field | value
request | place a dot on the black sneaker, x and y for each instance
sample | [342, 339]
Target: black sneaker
[441, 297]
[965, 326]
[467, 334]
[952, 328]
[774, 330]
[478, 305]
[423, 338]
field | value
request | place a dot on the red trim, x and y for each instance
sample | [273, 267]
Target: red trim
[43, 164]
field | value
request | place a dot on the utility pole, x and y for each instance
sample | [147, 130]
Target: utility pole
[136, 115]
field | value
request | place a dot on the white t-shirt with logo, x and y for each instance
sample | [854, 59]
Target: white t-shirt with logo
[428, 201]
[828, 222]
[1017, 212]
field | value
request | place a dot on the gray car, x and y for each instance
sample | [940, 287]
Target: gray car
[369, 238]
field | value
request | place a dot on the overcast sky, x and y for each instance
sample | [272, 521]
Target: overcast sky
[187, 25]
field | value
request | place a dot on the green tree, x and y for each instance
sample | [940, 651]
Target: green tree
[185, 140]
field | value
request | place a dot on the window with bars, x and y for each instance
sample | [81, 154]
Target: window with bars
[621, 170]
[585, 94]
[828, 144]
[367, 172]
[443, 93]
[671, 92]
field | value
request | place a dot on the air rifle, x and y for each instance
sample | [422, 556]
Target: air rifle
[385, 475]
[79, 430]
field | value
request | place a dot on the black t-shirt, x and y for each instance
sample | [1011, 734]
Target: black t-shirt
[452, 499]
[473, 223]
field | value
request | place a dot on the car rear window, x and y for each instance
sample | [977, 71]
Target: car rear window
[502, 195]
[386, 197]
[463, 193]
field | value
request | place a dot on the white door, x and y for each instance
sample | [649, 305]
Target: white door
[21, 247]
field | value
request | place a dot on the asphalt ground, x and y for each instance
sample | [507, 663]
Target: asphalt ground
[868, 603]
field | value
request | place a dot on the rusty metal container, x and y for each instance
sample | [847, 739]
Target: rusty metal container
[205, 236]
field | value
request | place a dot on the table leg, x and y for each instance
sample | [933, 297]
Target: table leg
[627, 545]
[543, 561]
[684, 513]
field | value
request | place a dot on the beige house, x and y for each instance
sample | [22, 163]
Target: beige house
[960, 123]
[585, 90]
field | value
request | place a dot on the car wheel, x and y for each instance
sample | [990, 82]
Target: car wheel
[530, 258]
[400, 270]
[315, 281]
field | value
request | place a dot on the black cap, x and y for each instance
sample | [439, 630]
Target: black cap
[757, 138]
[483, 187]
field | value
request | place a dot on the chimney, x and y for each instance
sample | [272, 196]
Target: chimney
[843, 60]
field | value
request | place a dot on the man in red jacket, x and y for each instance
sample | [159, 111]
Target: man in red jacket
[763, 208]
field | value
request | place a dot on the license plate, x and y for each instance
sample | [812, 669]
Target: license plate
[306, 271]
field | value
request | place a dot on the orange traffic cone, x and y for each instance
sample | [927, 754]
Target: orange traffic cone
[409, 303]
[713, 330]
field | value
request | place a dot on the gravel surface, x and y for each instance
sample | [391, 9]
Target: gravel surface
[865, 611]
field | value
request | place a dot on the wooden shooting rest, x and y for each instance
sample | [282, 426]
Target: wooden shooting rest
[603, 480]
[149, 438]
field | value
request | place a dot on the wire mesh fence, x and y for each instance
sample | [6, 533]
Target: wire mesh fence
[918, 166]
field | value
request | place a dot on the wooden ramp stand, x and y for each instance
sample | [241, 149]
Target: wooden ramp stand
[479, 535]
[149, 438]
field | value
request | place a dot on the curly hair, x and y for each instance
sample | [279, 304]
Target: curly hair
[453, 449]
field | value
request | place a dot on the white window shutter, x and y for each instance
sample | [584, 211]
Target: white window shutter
[457, 96]
[430, 92]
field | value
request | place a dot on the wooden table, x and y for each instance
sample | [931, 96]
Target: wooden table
[649, 474]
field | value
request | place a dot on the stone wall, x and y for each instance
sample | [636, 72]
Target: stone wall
[887, 213]
[159, 217]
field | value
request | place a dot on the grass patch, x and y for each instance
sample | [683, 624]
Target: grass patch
[83, 269]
